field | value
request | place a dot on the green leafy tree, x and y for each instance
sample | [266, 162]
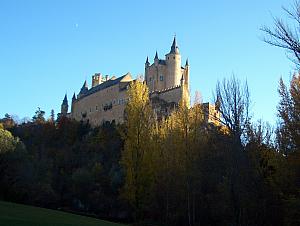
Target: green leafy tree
[7, 141]
[136, 156]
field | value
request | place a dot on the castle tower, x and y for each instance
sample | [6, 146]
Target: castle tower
[168, 74]
[187, 74]
[185, 95]
[173, 62]
[64, 106]
[73, 101]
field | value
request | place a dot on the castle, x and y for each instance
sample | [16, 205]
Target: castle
[168, 84]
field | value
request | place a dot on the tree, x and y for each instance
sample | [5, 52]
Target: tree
[8, 122]
[14, 168]
[136, 156]
[284, 35]
[52, 116]
[7, 141]
[233, 101]
[289, 114]
[39, 116]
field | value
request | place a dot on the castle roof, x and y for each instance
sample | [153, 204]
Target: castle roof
[125, 78]
[74, 97]
[84, 88]
[163, 62]
[174, 47]
[65, 101]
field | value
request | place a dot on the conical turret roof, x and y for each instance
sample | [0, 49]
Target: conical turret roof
[84, 88]
[74, 97]
[65, 101]
[174, 47]
[187, 62]
[156, 56]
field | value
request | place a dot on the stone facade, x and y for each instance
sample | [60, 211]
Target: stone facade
[168, 73]
[168, 84]
[105, 101]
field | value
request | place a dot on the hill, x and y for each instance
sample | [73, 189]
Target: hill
[15, 214]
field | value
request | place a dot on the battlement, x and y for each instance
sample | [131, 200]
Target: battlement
[165, 90]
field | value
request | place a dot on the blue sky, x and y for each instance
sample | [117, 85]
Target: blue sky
[48, 48]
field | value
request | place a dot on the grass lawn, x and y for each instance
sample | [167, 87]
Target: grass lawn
[12, 214]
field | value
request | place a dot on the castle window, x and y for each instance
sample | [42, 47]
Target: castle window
[161, 78]
[96, 108]
[150, 79]
[174, 58]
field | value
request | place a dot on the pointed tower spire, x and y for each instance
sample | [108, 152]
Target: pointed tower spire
[147, 64]
[83, 89]
[187, 62]
[85, 85]
[65, 101]
[64, 106]
[174, 47]
[74, 97]
[156, 56]
[174, 42]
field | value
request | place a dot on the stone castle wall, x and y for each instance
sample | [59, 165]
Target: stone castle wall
[105, 105]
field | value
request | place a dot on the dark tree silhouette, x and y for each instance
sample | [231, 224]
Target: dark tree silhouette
[286, 35]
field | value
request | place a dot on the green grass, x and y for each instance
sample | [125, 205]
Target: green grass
[12, 214]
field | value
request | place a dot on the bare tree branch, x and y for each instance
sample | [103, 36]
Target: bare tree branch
[286, 35]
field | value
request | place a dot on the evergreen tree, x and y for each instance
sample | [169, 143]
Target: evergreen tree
[289, 113]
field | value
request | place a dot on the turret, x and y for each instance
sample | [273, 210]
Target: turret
[156, 60]
[187, 62]
[182, 83]
[73, 102]
[96, 79]
[147, 64]
[185, 95]
[174, 47]
[74, 98]
[173, 60]
[187, 73]
[83, 89]
[64, 106]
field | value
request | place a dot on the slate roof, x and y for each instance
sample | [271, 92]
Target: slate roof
[103, 85]
[65, 101]
[163, 62]
[174, 47]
